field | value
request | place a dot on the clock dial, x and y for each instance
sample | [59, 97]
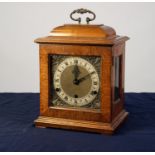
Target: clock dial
[76, 81]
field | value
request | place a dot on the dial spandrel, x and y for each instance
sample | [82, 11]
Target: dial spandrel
[76, 81]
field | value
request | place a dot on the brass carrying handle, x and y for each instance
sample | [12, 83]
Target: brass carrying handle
[82, 11]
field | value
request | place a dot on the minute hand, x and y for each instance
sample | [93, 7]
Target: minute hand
[85, 77]
[76, 72]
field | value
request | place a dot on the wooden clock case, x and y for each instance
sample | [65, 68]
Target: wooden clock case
[84, 40]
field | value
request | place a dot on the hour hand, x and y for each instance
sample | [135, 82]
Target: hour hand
[85, 77]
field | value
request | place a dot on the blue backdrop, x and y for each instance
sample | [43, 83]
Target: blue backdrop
[17, 132]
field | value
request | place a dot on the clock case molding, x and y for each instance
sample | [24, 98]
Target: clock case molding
[84, 40]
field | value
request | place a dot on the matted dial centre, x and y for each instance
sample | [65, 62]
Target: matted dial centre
[72, 89]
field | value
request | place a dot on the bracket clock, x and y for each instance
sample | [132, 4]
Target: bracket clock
[82, 77]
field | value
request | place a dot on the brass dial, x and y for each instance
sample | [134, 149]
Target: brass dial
[76, 81]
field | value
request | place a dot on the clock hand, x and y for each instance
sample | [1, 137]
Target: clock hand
[85, 77]
[76, 72]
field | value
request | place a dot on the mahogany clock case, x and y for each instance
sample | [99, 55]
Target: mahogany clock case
[78, 40]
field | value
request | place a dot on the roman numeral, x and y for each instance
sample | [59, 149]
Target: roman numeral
[56, 80]
[95, 82]
[66, 98]
[66, 63]
[75, 61]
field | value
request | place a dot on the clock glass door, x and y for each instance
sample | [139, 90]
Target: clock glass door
[74, 81]
[117, 63]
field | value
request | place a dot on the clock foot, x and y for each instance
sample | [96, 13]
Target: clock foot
[38, 126]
